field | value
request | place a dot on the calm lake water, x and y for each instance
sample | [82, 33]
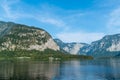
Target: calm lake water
[102, 69]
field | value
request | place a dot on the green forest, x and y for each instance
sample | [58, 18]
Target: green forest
[45, 55]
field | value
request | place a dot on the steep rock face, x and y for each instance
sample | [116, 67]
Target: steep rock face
[17, 36]
[107, 46]
[72, 48]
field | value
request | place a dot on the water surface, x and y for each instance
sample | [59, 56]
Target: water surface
[101, 69]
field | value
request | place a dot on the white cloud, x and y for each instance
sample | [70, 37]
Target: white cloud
[51, 20]
[107, 3]
[80, 36]
[6, 5]
[113, 24]
[57, 17]
[44, 14]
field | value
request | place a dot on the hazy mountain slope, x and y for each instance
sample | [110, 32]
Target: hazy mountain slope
[5, 27]
[107, 46]
[72, 48]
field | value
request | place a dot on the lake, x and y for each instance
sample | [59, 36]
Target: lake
[99, 69]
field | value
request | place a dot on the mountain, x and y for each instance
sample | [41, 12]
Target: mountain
[17, 36]
[4, 27]
[72, 48]
[108, 46]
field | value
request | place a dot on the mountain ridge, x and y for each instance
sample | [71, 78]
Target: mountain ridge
[108, 46]
[72, 48]
[19, 36]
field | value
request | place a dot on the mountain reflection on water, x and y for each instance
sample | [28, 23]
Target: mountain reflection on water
[101, 69]
[35, 70]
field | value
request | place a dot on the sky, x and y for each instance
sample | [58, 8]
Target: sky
[69, 20]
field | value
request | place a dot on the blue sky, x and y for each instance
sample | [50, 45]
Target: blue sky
[69, 20]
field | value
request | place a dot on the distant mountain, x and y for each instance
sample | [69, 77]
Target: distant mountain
[108, 46]
[17, 36]
[72, 48]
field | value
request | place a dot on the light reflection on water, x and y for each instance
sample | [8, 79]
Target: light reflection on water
[101, 69]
